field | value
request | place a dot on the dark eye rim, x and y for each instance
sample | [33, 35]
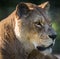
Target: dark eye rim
[38, 24]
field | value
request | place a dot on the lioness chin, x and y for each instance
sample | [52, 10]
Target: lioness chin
[27, 28]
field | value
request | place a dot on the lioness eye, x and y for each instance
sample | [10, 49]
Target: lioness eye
[38, 24]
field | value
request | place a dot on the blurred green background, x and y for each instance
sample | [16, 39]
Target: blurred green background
[8, 6]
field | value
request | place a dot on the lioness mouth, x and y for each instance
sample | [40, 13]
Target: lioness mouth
[41, 48]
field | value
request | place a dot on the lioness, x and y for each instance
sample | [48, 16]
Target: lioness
[27, 28]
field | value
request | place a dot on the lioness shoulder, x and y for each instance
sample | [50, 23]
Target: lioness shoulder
[35, 54]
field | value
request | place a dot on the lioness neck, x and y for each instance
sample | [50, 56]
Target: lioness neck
[9, 39]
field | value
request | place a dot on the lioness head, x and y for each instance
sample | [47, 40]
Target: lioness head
[33, 27]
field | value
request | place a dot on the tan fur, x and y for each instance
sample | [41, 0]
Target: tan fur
[43, 4]
[21, 32]
[35, 54]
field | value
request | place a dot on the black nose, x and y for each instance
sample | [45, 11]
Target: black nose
[52, 36]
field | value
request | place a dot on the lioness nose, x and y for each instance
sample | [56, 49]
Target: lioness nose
[52, 36]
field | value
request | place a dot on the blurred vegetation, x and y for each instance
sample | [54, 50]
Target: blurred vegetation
[8, 6]
[56, 25]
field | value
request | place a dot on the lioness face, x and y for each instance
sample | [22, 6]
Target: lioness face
[33, 28]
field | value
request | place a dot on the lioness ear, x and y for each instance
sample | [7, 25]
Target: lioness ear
[22, 9]
[45, 5]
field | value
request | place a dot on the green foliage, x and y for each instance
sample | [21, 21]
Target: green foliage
[56, 48]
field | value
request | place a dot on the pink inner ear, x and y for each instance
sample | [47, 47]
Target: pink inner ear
[43, 5]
